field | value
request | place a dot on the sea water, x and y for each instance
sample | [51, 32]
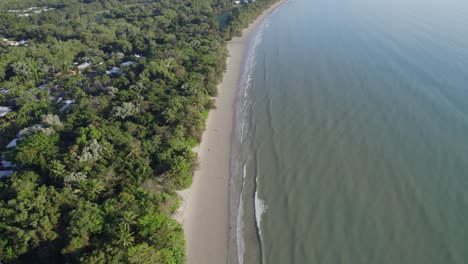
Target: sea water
[351, 140]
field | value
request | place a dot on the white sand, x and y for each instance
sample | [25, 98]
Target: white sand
[204, 210]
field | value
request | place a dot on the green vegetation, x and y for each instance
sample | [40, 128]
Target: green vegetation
[242, 15]
[105, 100]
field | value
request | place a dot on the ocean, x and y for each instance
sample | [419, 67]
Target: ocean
[350, 142]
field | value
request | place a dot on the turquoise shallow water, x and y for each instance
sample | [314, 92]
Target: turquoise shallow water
[356, 134]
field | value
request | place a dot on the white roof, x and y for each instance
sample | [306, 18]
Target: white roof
[114, 70]
[6, 173]
[7, 164]
[127, 63]
[12, 43]
[12, 143]
[68, 103]
[4, 110]
[83, 66]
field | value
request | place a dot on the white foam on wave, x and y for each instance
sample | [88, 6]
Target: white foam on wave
[260, 209]
[245, 85]
[244, 106]
[246, 82]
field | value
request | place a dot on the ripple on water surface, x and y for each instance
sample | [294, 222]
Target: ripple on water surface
[357, 128]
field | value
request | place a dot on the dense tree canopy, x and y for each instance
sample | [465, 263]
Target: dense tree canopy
[104, 101]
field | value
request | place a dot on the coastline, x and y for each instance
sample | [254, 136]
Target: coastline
[205, 211]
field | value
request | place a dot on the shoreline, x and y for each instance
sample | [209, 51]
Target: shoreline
[205, 210]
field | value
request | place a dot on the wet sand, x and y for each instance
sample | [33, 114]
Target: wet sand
[204, 210]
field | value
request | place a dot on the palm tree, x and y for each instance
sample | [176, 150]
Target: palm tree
[135, 149]
[128, 218]
[90, 188]
[126, 238]
[94, 188]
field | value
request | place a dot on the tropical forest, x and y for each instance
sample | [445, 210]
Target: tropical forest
[101, 104]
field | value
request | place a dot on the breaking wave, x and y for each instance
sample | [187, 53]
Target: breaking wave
[241, 133]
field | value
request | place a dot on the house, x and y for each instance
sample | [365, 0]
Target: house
[6, 168]
[28, 11]
[67, 105]
[237, 2]
[5, 164]
[12, 144]
[83, 66]
[12, 43]
[6, 173]
[114, 70]
[127, 63]
[4, 110]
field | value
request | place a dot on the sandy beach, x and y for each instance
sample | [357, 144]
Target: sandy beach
[204, 210]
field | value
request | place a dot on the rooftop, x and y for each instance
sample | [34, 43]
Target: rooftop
[6, 173]
[114, 70]
[4, 110]
[12, 144]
